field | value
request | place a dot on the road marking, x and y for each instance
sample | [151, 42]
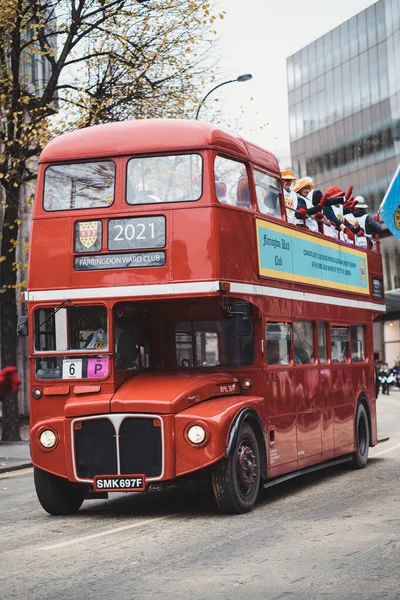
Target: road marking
[385, 451]
[103, 533]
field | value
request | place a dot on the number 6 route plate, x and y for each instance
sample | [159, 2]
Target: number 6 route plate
[119, 483]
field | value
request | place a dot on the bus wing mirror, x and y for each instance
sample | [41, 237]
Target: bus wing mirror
[241, 312]
[22, 326]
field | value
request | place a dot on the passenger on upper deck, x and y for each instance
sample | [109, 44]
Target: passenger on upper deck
[288, 177]
[338, 227]
[306, 214]
[369, 225]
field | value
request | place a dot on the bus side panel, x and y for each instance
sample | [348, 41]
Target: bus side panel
[282, 420]
[239, 258]
[217, 416]
[309, 417]
[342, 398]
[55, 460]
[328, 442]
[193, 251]
[50, 260]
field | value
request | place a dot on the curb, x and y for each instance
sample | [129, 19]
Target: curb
[15, 468]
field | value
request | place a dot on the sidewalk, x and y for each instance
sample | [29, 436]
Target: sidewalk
[14, 455]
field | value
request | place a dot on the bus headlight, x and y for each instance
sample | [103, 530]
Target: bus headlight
[196, 434]
[48, 438]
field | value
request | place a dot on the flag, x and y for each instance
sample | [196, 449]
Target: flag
[390, 206]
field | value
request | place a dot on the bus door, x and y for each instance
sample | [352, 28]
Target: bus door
[305, 374]
[280, 407]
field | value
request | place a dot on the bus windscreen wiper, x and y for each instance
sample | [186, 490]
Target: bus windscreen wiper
[37, 329]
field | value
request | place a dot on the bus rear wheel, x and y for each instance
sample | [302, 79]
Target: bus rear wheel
[360, 456]
[57, 495]
[236, 479]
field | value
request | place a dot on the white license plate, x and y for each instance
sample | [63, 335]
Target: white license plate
[119, 483]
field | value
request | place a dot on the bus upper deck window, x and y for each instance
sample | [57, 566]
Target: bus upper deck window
[172, 178]
[79, 185]
[268, 194]
[231, 182]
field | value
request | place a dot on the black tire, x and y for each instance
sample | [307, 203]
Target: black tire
[57, 495]
[360, 456]
[236, 479]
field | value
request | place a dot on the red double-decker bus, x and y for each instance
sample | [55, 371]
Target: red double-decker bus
[181, 328]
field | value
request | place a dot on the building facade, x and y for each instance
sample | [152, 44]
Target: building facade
[344, 116]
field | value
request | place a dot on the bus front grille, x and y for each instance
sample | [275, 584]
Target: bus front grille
[118, 444]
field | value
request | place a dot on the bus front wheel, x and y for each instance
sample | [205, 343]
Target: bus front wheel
[360, 456]
[57, 495]
[236, 479]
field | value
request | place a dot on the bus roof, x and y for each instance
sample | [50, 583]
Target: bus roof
[151, 136]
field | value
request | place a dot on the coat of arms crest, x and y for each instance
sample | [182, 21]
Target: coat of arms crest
[88, 232]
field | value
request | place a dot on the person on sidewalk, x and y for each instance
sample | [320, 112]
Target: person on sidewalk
[9, 382]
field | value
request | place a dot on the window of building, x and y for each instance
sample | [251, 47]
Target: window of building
[380, 21]
[303, 342]
[322, 343]
[362, 31]
[364, 80]
[338, 92]
[278, 343]
[355, 84]
[319, 56]
[328, 51]
[357, 343]
[268, 194]
[232, 183]
[371, 26]
[383, 70]
[173, 178]
[340, 344]
[345, 41]
[353, 36]
[330, 100]
[336, 47]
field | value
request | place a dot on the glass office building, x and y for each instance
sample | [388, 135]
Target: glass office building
[344, 112]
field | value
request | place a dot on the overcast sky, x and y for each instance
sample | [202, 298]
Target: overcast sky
[256, 36]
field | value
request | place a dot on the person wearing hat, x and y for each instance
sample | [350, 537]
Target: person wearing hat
[307, 214]
[333, 202]
[370, 225]
[288, 177]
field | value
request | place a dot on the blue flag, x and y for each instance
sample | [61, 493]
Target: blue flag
[390, 206]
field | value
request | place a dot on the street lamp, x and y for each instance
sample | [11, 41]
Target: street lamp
[241, 78]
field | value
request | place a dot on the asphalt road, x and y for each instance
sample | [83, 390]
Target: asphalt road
[331, 535]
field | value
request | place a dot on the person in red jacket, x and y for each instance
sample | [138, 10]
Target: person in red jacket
[9, 382]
